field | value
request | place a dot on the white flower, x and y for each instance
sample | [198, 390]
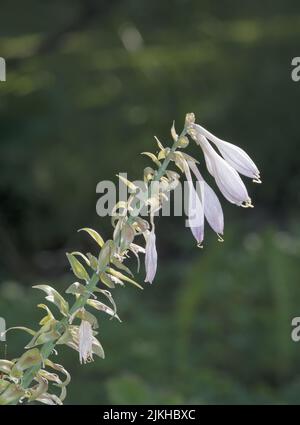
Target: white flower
[85, 342]
[212, 207]
[150, 255]
[234, 155]
[136, 249]
[227, 178]
[195, 208]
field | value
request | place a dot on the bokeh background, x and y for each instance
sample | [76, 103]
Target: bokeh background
[88, 85]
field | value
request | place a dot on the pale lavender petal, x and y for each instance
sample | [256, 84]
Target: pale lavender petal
[238, 159]
[195, 209]
[195, 214]
[212, 207]
[136, 249]
[227, 178]
[234, 155]
[150, 257]
[213, 210]
[85, 342]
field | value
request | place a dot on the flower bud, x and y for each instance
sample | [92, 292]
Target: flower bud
[183, 142]
[105, 254]
[141, 225]
[173, 133]
[148, 174]
[127, 236]
[189, 119]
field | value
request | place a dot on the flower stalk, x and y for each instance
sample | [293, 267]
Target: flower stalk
[31, 377]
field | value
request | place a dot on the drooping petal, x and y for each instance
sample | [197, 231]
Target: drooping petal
[195, 215]
[239, 160]
[213, 210]
[150, 256]
[195, 209]
[85, 342]
[136, 249]
[234, 155]
[212, 207]
[227, 178]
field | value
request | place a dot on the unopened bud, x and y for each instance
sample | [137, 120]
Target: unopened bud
[183, 142]
[189, 119]
[173, 132]
[105, 254]
[148, 174]
[127, 236]
[141, 224]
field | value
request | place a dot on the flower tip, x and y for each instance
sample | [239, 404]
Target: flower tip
[148, 281]
[220, 239]
[199, 245]
[189, 119]
[257, 180]
[247, 204]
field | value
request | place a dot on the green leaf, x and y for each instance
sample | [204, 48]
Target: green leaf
[21, 328]
[54, 297]
[28, 359]
[78, 268]
[82, 256]
[105, 254]
[97, 348]
[189, 158]
[49, 399]
[121, 276]
[88, 317]
[153, 157]
[107, 280]
[45, 334]
[39, 389]
[47, 337]
[60, 369]
[108, 295]
[11, 394]
[121, 266]
[95, 235]
[5, 366]
[98, 305]
[93, 261]
[3, 385]
[173, 132]
[132, 187]
[76, 289]
[48, 317]
[53, 377]
[159, 143]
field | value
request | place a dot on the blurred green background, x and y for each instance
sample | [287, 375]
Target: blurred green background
[88, 85]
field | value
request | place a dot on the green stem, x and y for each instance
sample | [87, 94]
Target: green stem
[48, 347]
[81, 301]
[159, 174]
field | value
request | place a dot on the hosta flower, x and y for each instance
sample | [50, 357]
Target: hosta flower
[136, 249]
[234, 155]
[85, 342]
[150, 255]
[212, 207]
[226, 177]
[195, 208]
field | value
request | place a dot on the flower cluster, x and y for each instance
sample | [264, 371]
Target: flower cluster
[204, 203]
[28, 377]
